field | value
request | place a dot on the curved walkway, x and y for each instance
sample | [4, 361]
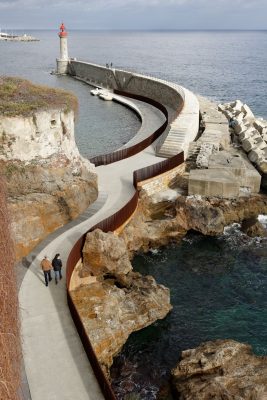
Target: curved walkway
[55, 362]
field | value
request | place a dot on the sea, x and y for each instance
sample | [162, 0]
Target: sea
[218, 284]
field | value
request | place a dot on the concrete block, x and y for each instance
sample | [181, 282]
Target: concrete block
[248, 133]
[247, 111]
[213, 183]
[252, 142]
[251, 180]
[237, 105]
[206, 149]
[262, 164]
[259, 125]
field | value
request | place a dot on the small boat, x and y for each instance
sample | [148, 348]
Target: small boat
[96, 91]
[106, 96]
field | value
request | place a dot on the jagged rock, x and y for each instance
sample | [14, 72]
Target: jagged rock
[105, 253]
[253, 227]
[223, 369]
[155, 225]
[119, 301]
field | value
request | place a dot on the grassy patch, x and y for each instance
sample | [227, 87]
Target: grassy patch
[21, 97]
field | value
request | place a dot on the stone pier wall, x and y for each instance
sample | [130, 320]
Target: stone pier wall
[112, 78]
[183, 106]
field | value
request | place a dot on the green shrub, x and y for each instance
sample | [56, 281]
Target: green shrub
[21, 97]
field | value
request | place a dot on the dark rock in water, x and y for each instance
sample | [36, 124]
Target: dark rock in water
[252, 227]
[221, 369]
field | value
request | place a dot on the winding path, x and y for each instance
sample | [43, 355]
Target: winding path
[55, 362]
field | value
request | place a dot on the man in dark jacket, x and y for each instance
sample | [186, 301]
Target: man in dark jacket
[57, 265]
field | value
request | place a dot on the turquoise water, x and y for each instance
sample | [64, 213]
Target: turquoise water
[218, 290]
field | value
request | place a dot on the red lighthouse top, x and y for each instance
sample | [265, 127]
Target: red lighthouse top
[63, 32]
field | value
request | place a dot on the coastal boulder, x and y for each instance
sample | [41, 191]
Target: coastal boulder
[105, 253]
[223, 369]
[111, 311]
[112, 300]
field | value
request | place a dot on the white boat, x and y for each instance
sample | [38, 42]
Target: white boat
[106, 96]
[96, 91]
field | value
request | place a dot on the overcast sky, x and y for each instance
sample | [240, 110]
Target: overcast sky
[134, 14]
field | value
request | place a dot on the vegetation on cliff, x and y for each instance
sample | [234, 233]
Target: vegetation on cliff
[21, 97]
[9, 333]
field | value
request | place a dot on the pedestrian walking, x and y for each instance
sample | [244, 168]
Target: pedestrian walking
[46, 267]
[57, 265]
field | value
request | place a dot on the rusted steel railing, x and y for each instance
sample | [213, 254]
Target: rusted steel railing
[110, 224]
[132, 150]
[156, 169]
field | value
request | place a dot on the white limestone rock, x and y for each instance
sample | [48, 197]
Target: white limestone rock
[38, 136]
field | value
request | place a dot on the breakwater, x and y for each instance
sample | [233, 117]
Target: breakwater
[182, 105]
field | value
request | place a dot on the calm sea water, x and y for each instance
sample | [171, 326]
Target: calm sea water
[218, 290]
[218, 285]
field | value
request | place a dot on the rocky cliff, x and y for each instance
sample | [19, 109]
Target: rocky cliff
[118, 301]
[48, 181]
[168, 216]
[223, 369]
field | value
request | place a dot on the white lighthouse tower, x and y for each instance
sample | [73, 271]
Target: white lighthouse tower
[62, 62]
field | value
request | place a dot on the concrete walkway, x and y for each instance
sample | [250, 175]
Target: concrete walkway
[55, 362]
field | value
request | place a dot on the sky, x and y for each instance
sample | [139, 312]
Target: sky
[134, 14]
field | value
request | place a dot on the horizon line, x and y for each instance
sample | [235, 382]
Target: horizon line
[144, 29]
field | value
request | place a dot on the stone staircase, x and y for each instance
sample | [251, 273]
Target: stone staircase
[183, 129]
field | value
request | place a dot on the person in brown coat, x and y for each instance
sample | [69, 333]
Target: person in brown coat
[46, 267]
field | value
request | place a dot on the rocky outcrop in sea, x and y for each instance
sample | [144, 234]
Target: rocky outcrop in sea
[167, 217]
[117, 301]
[221, 370]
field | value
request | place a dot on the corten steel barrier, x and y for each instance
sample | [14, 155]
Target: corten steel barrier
[156, 169]
[132, 150]
[110, 224]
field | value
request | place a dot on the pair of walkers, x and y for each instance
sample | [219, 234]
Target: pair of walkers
[47, 267]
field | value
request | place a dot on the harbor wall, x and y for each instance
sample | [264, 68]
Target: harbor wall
[170, 95]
